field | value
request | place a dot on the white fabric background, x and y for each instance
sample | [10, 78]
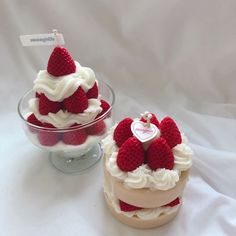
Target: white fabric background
[175, 57]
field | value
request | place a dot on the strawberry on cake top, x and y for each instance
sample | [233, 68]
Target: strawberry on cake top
[156, 164]
[66, 95]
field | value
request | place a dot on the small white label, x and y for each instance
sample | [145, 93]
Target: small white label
[144, 133]
[42, 39]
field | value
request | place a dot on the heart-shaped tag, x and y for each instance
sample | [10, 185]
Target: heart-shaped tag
[142, 132]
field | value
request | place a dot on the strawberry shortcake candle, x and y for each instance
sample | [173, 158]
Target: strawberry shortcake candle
[66, 96]
[146, 167]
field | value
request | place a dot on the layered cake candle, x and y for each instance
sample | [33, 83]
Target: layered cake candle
[146, 167]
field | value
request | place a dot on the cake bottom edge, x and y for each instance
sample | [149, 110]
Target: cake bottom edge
[138, 223]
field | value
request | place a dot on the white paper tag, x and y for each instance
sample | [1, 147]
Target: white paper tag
[144, 133]
[42, 39]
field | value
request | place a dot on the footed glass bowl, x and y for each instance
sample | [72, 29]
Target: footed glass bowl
[74, 149]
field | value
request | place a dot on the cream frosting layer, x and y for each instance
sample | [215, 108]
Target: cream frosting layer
[144, 214]
[143, 176]
[59, 88]
[63, 119]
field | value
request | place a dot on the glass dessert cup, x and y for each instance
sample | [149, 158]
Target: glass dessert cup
[74, 149]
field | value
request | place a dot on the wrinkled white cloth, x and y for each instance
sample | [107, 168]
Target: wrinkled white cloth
[175, 57]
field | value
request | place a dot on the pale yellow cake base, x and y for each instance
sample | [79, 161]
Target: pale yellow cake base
[139, 223]
[145, 197]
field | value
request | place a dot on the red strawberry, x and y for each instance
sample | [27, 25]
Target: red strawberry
[48, 137]
[105, 107]
[93, 92]
[60, 62]
[98, 128]
[123, 131]
[46, 106]
[75, 137]
[77, 102]
[170, 132]
[33, 120]
[131, 155]
[173, 203]
[159, 155]
[127, 207]
[153, 120]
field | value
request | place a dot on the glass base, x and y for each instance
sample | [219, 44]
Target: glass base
[72, 163]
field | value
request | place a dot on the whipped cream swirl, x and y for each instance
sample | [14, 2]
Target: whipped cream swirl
[59, 88]
[139, 178]
[183, 155]
[108, 144]
[164, 179]
[113, 168]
